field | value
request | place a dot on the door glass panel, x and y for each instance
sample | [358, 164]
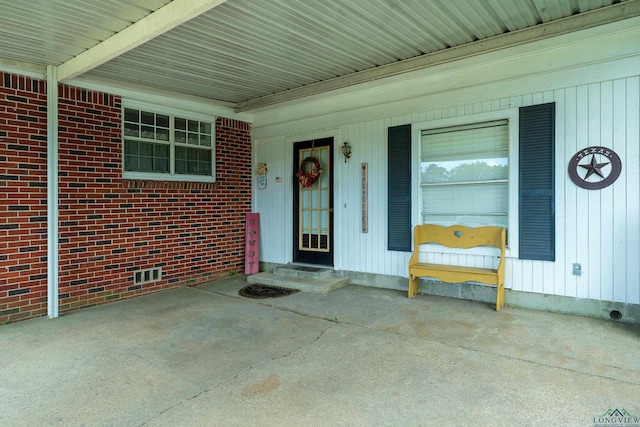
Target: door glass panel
[314, 205]
[324, 199]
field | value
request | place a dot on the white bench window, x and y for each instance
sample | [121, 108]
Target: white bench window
[464, 174]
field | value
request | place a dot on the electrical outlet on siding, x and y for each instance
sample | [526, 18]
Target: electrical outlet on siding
[576, 269]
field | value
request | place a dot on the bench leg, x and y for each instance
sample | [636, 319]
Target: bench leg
[500, 296]
[413, 286]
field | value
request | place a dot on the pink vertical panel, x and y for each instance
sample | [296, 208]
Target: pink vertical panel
[252, 244]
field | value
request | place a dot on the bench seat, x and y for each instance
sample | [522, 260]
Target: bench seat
[455, 274]
[458, 236]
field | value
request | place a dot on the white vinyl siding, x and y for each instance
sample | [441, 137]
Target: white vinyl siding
[596, 91]
[598, 229]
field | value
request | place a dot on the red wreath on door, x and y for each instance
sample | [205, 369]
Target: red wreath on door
[309, 172]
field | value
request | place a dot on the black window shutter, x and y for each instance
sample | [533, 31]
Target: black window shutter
[537, 182]
[399, 187]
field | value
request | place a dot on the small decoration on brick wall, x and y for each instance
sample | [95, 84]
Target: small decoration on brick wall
[594, 168]
[261, 174]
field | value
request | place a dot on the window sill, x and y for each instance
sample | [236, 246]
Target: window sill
[165, 177]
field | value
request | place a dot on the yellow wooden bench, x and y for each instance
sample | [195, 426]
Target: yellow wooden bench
[458, 236]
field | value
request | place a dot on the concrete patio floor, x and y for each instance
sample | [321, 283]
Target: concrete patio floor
[357, 356]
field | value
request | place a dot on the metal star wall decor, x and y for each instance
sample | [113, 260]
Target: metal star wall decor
[602, 168]
[594, 167]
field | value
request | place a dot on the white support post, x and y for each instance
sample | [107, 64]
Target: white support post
[52, 191]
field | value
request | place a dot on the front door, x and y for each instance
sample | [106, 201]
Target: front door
[313, 202]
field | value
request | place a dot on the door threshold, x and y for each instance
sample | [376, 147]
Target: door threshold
[306, 264]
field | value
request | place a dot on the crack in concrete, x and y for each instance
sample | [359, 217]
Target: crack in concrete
[457, 346]
[467, 348]
[238, 374]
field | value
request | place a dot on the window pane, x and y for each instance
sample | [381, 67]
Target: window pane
[193, 139]
[161, 150]
[205, 140]
[145, 164]
[456, 143]
[193, 125]
[205, 168]
[463, 175]
[162, 134]
[193, 161]
[181, 137]
[180, 123]
[131, 115]
[147, 118]
[162, 121]
[160, 165]
[181, 166]
[205, 128]
[148, 132]
[469, 198]
[131, 129]
[145, 149]
[130, 163]
[130, 147]
[465, 170]
[146, 157]
[204, 155]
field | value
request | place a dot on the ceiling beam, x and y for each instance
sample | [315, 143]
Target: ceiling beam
[162, 20]
[613, 13]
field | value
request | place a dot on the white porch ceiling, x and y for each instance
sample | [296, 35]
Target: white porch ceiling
[255, 53]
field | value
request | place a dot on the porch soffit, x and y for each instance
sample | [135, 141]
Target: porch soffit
[251, 54]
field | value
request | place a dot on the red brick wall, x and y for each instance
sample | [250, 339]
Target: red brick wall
[109, 227]
[23, 197]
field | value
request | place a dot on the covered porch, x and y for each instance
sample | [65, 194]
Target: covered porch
[104, 184]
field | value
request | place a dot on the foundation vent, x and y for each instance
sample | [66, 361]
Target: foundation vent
[149, 275]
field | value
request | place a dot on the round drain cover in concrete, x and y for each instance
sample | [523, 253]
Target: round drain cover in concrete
[258, 291]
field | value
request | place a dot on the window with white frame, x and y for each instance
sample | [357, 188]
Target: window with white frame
[165, 146]
[464, 174]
